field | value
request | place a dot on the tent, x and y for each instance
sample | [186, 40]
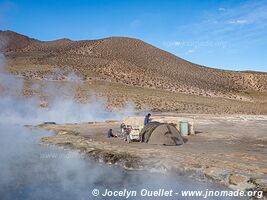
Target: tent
[161, 133]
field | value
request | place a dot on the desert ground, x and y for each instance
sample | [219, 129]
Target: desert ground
[229, 149]
[118, 96]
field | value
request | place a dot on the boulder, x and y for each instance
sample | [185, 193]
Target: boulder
[236, 179]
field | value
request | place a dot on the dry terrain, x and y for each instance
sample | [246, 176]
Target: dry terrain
[125, 70]
[230, 149]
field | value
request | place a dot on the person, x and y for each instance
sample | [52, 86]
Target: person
[110, 133]
[123, 127]
[147, 119]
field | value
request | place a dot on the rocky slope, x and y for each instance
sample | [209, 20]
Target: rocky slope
[127, 61]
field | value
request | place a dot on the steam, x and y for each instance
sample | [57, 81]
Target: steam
[30, 171]
[68, 75]
[25, 171]
[62, 107]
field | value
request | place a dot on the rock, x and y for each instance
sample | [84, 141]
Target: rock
[241, 182]
[255, 181]
[62, 132]
[215, 173]
[237, 179]
[261, 192]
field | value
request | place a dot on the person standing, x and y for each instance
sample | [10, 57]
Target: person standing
[147, 119]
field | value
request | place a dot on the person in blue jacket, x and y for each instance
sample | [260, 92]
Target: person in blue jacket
[110, 134]
[147, 119]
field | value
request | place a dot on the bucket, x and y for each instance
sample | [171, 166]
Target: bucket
[183, 128]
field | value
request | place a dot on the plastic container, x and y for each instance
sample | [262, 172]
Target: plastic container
[183, 128]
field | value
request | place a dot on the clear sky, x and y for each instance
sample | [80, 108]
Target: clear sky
[222, 34]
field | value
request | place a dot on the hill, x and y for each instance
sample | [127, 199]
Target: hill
[126, 61]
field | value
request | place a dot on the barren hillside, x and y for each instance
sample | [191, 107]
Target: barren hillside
[128, 62]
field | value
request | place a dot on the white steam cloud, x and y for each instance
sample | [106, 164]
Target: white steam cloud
[62, 108]
[30, 171]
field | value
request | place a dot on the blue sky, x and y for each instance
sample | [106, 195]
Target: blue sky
[221, 34]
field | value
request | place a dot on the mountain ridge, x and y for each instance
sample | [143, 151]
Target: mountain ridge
[128, 61]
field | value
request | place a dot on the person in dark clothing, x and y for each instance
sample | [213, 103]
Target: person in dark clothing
[110, 134]
[147, 119]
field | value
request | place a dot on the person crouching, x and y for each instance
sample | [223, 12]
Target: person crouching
[110, 134]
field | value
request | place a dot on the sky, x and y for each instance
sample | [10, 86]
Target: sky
[221, 34]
